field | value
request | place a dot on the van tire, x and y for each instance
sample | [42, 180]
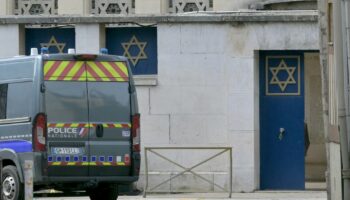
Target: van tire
[15, 187]
[105, 192]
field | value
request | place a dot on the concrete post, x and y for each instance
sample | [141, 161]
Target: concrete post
[340, 46]
[151, 6]
[28, 180]
[6, 7]
[14, 39]
[329, 101]
[76, 7]
[90, 38]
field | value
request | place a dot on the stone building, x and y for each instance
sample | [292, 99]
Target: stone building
[220, 73]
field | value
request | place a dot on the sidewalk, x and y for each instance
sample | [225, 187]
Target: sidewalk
[265, 195]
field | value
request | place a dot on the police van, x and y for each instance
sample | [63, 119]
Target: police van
[75, 116]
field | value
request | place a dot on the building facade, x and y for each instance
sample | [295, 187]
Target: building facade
[242, 74]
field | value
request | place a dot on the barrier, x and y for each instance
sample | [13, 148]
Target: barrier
[185, 169]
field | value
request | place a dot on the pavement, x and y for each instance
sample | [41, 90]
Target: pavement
[263, 195]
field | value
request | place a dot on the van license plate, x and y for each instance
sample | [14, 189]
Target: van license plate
[66, 151]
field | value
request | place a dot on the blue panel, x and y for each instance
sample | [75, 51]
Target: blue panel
[76, 158]
[102, 159]
[110, 158]
[59, 40]
[282, 106]
[139, 45]
[93, 158]
[85, 159]
[19, 146]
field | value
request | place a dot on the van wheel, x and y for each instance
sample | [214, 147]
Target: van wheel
[105, 192]
[12, 188]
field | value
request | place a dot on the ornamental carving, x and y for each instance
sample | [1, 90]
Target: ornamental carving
[181, 6]
[113, 7]
[35, 7]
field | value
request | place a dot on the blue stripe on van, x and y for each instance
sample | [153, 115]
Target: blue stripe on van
[19, 146]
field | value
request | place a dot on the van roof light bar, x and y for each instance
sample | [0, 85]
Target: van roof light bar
[71, 51]
[44, 50]
[104, 51]
[34, 51]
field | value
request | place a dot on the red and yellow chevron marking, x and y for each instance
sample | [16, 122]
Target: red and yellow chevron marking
[64, 71]
[86, 164]
[88, 125]
[86, 71]
[107, 71]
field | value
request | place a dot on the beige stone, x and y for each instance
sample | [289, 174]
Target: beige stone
[222, 5]
[90, 38]
[14, 40]
[76, 7]
[151, 6]
[6, 7]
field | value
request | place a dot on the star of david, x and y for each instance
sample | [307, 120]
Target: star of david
[53, 43]
[276, 81]
[141, 46]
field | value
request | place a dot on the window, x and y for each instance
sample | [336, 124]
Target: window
[3, 100]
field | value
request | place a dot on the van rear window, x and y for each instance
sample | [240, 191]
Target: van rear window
[3, 100]
[86, 71]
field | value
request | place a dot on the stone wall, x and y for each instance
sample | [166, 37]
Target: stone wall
[208, 95]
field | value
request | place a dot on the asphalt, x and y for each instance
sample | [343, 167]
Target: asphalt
[266, 195]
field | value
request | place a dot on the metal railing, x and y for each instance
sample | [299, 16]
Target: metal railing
[186, 169]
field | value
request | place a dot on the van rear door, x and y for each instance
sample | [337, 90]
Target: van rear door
[66, 102]
[109, 115]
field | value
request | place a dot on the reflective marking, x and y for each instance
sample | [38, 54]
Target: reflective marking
[76, 161]
[88, 125]
[93, 71]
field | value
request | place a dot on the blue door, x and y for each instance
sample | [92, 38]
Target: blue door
[282, 120]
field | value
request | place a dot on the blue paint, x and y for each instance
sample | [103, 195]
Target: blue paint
[282, 161]
[110, 158]
[116, 36]
[36, 36]
[58, 159]
[93, 159]
[50, 159]
[102, 158]
[67, 158]
[76, 158]
[85, 159]
[19, 146]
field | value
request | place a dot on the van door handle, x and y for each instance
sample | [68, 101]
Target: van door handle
[99, 130]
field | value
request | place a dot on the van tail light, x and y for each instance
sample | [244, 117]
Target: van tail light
[135, 130]
[39, 133]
